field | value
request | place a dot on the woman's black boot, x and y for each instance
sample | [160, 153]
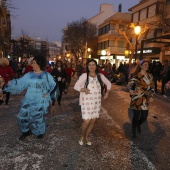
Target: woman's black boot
[24, 135]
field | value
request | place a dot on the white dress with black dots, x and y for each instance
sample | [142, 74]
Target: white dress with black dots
[91, 103]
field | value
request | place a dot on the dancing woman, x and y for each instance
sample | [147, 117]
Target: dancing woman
[90, 86]
[40, 87]
[142, 94]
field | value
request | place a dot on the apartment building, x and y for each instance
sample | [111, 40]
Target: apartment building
[105, 11]
[5, 30]
[155, 42]
[26, 46]
[109, 40]
[54, 51]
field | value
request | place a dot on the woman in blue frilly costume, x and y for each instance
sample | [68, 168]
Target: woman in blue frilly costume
[41, 88]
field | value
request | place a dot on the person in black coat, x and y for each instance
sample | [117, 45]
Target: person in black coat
[60, 76]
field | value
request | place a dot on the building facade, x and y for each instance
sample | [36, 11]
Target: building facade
[25, 46]
[5, 30]
[155, 14]
[105, 11]
[109, 39]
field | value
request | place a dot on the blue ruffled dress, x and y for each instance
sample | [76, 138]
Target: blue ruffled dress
[34, 106]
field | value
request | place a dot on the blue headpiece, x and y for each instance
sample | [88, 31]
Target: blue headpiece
[142, 61]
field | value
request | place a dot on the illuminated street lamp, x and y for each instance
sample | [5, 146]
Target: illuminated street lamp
[89, 52]
[126, 53]
[68, 55]
[103, 52]
[137, 30]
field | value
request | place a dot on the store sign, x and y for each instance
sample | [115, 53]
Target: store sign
[106, 57]
[153, 50]
[146, 51]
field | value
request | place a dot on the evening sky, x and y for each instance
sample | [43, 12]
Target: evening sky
[46, 18]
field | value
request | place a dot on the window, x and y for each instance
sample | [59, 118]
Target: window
[159, 8]
[120, 43]
[104, 30]
[112, 26]
[143, 14]
[111, 43]
[103, 45]
[121, 27]
[136, 17]
[152, 10]
[107, 28]
[157, 32]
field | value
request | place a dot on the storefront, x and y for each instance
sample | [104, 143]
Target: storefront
[153, 53]
[114, 59]
[157, 52]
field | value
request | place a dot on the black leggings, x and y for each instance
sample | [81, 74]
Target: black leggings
[61, 87]
[139, 116]
[7, 96]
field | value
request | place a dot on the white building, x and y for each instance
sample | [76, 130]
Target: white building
[106, 10]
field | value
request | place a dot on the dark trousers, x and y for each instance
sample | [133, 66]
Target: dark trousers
[61, 87]
[7, 96]
[139, 116]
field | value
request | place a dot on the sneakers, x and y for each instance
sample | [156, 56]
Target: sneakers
[88, 143]
[81, 141]
[40, 136]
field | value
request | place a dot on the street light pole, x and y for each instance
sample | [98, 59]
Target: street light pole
[137, 30]
[136, 45]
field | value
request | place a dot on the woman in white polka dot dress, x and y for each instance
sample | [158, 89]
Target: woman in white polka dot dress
[89, 85]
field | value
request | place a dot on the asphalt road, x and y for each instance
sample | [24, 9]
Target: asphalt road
[112, 146]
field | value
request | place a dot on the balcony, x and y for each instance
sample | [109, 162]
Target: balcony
[113, 50]
[116, 50]
[113, 32]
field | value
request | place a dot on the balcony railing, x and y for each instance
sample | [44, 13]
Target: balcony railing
[113, 32]
[113, 50]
